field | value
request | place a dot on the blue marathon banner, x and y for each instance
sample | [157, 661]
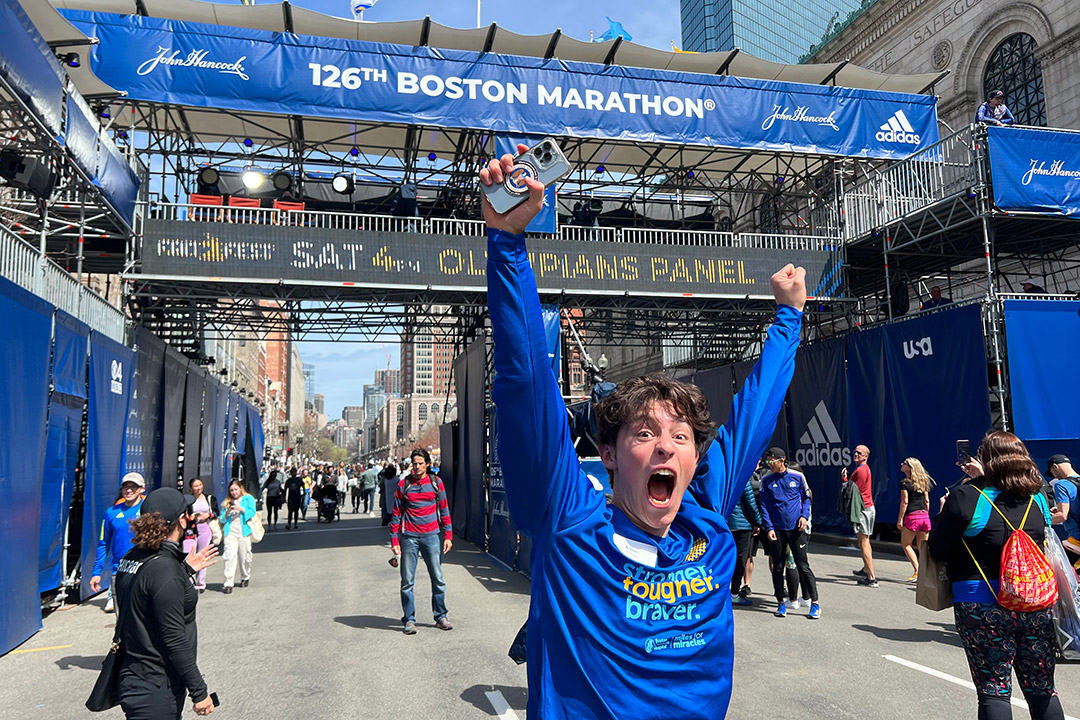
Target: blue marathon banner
[211, 66]
[1035, 170]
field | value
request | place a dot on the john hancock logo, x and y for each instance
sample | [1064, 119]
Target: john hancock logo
[116, 372]
[195, 58]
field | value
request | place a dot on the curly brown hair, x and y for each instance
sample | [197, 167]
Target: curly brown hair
[150, 530]
[1007, 464]
[632, 403]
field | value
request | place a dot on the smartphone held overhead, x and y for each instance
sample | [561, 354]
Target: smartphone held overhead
[963, 452]
[543, 162]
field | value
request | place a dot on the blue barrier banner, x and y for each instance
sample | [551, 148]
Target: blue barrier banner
[116, 179]
[112, 369]
[70, 357]
[474, 430]
[146, 409]
[255, 432]
[221, 420]
[228, 444]
[206, 442]
[30, 66]
[817, 427]
[81, 134]
[229, 68]
[938, 393]
[1040, 376]
[719, 388]
[174, 384]
[24, 375]
[741, 371]
[241, 427]
[545, 220]
[870, 421]
[1035, 170]
[502, 533]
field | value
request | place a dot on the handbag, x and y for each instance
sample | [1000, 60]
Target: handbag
[215, 531]
[257, 530]
[1067, 608]
[933, 590]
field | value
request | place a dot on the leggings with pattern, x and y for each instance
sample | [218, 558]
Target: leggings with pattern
[997, 640]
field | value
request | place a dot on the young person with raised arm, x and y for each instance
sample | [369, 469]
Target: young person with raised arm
[630, 614]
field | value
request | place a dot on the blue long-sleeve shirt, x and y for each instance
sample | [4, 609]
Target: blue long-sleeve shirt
[784, 499]
[622, 624]
[985, 112]
[115, 538]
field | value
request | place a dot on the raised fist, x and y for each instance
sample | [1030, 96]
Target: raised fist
[789, 286]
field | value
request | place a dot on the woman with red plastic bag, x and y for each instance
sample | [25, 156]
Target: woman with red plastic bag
[969, 535]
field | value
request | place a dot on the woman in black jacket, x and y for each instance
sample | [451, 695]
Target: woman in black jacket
[157, 619]
[1006, 483]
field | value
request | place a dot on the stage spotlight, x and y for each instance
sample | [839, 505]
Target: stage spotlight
[252, 178]
[431, 157]
[354, 152]
[690, 174]
[209, 176]
[103, 112]
[599, 169]
[70, 59]
[779, 179]
[248, 142]
[281, 180]
[343, 184]
[28, 173]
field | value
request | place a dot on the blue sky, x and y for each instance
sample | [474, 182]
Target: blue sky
[342, 368]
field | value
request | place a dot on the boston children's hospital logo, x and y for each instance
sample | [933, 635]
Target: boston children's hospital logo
[196, 58]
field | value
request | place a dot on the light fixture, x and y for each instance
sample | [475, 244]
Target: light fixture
[248, 142]
[354, 152]
[779, 179]
[70, 59]
[103, 111]
[28, 173]
[690, 174]
[431, 157]
[209, 176]
[343, 184]
[599, 169]
[281, 180]
[252, 178]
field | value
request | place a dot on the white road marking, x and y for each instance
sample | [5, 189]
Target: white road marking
[501, 707]
[324, 527]
[951, 678]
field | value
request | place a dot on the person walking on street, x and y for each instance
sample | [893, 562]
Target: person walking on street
[389, 481]
[237, 512]
[785, 512]
[307, 493]
[420, 514]
[745, 523]
[969, 536]
[273, 488]
[354, 486]
[863, 520]
[1065, 512]
[294, 497]
[157, 602]
[914, 522]
[198, 534]
[369, 480]
[115, 538]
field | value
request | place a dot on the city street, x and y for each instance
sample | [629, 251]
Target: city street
[317, 634]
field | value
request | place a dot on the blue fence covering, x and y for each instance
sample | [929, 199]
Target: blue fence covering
[30, 67]
[1035, 170]
[258, 441]
[66, 404]
[81, 134]
[24, 375]
[1041, 374]
[220, 67]
[112, 368]
[116, 179]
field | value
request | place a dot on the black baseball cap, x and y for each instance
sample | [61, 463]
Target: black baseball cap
[995, 94]
[1054, 460]
[170, 502]
[775, 453]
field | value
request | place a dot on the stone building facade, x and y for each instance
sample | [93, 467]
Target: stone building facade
[970, 39]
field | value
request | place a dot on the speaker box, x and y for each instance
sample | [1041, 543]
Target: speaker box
[27, 173]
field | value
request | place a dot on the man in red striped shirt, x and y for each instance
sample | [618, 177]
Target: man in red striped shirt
[420, 512]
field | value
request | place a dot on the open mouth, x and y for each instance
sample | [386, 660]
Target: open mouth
[661, 487]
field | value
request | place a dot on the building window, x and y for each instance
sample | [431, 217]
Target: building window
[400, 432]
[1014, 69]
[435, 409]
[400, 413]
[421, 412]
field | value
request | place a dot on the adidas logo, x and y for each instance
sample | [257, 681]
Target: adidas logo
[826, 445]
[898, 130]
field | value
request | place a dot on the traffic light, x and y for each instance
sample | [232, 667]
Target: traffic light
[288, 452]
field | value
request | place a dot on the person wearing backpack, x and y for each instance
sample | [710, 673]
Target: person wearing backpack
[984, 534]
[1066, 511]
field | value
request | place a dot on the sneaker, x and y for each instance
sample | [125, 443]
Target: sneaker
[740, 600]
[745, 591]
[859, 573]
[807, 602]
[815, 611]
[410, 628]
[109, 607]
[914, 577]
[227, 590]
[795, 604]
[443, 623]
[244, 583]
[781, 610]
[868, 582]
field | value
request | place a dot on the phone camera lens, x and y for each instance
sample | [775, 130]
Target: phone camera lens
[538, 152]
[547, 157]
[547, 147]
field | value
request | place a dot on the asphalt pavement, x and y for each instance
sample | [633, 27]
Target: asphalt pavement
[318, 634]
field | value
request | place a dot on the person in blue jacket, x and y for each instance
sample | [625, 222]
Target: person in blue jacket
[630, 615]
[785, 510]
[745, 523]
[115, 538]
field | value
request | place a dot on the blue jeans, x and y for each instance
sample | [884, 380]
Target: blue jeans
[430, 546]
